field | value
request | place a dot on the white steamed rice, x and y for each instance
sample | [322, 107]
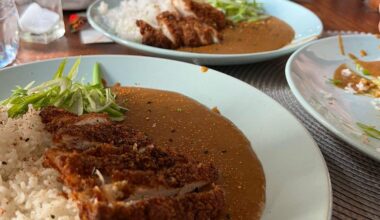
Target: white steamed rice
[122, 19]
[27, 189]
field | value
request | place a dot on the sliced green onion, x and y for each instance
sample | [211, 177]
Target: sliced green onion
[62, 91]
[240, 10]
[336, 82]
[362, 70]
[61, 67]
[369, 130]
[96, 75]
[366, 72]
[74, 70]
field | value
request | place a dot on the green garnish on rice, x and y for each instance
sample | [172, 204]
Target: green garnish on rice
[64, 92]
[240, 10]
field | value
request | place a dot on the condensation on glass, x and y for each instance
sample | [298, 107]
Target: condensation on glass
[41, 21]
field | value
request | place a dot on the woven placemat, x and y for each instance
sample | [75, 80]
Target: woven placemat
[355, 177]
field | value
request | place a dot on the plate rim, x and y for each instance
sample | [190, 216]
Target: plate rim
[187, 55]
[312, 111]
[306, 133]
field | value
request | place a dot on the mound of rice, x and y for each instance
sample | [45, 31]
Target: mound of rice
[27, 189]
[122, 19]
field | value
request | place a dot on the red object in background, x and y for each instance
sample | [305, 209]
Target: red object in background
[77, 22]
[373, 4]
[73, 18]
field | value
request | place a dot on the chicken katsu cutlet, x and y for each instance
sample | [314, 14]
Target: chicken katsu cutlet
[202, 11]
[115, 172]
[148, 167]
[79, 132]
[198, 205]
[191, 24]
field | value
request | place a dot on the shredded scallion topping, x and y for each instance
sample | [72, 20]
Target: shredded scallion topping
[360, 69]
[336, 82]
[64, 92]
[369, 130]
[240, 10]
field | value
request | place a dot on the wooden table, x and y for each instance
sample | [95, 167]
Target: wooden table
[348, 15]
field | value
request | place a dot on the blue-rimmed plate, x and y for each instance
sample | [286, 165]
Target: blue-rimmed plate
[308, 71]
[306, 24]
[297, 180]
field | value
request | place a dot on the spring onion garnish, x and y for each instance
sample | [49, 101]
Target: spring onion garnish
[362, 70]
[62, 91]
[336, 82]
[240, 10]
[369, 130]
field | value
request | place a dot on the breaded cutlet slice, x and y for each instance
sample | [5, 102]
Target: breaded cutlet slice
[203, 11]
[154, 37]
[146, 170]
[187, 31]
[80, 132]
[84, 136]
[205, 205]
[56, 118]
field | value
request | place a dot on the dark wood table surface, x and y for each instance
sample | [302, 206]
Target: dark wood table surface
[347, 15]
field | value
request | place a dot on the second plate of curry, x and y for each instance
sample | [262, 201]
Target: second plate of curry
[337, 82]
[280, 33]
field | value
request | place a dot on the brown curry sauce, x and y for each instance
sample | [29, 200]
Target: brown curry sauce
[269, 34]
[174, 120]
[367, 87]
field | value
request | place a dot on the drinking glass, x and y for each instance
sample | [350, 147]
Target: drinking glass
[41, 21]
[9, 40]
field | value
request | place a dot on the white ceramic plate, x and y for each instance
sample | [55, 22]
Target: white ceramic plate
[298, 184]
[308, 28]
[308, 71]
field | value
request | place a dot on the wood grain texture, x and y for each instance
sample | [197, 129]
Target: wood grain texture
[68, 45]
[346, 15]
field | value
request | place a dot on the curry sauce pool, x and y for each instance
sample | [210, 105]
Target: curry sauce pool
[171, 119]
[266, 35]
[353, 82]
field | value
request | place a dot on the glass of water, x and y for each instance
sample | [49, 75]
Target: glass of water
[41, 21]
[9, 39]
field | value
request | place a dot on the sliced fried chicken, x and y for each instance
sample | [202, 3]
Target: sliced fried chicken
[193, 24]
[206, 33]
[115, 172]
[192, 206]
[169, 24]
[154, 37]
[187, 31]
[83, 136]
[145, 170]
[81, 132]
[203, 11]
[56, 118]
